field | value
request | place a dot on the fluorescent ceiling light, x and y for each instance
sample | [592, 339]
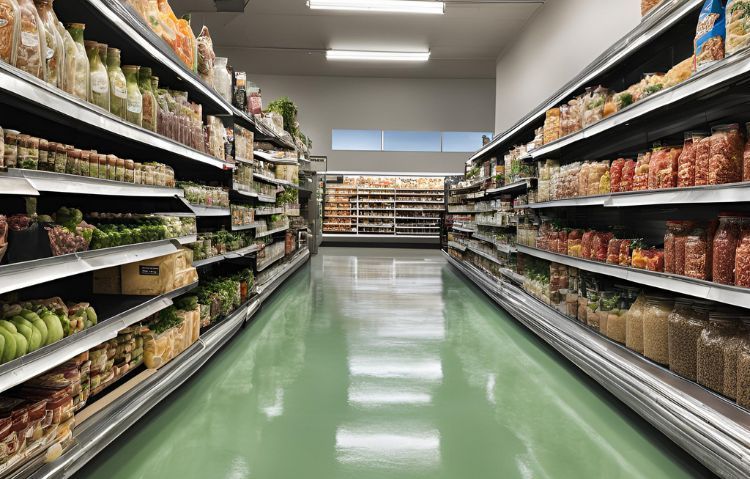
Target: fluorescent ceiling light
[392, 6]
[355, 55]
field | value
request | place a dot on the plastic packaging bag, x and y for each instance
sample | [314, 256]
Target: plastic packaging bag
[10, 23]
[710, 33]
[32, 41]
[738, 25]
[206, 56]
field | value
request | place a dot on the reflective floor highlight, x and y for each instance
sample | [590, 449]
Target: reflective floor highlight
[387, 364]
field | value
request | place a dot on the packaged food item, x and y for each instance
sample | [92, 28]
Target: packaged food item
[134, 99]
[32, 45]
[99, 80]
[600, 245]
[648, 5]
[709, 36]
[742, 256]
[586, 243]
[746, 157]
[81, 76]
[594, 102]
[696, 254]
[686, 323]
[54, 53]
[552, 125]
[641, 173]
[10, 23]
[686, 161]
[722, 327]
[222, 78]
[679, 73]
[738, 25]
[663, 168]
[615, 175]
[702, 158]
[656, 328]
[725, 244]
[583, 179]
[574, 243]
[726, 154]
[617, 102]
[634, 324]
[206, 56]
[650, 259]
[732, 350]
[118, 89]
[149, 100]
[674, 246]
[571, 117]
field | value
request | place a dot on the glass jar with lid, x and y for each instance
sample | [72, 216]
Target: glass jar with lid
[634, 324]
[722, 327]
[44, 155]
[103, 166]
[686, 323]
[98, 78]
[656, 328]
[592, 306]
[72, 166]
[94, 164]
[61, 157]
[23, 150]
[725, 244]
[149, 99]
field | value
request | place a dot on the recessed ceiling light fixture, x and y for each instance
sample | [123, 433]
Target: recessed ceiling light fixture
[392, 6]
[354, 55]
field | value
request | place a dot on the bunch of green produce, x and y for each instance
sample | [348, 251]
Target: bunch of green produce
[289, 196]
[287, 109]
[30, 325]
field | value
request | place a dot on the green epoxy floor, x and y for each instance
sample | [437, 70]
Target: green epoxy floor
[387, 364]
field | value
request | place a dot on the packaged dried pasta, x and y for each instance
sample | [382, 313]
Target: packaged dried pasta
[648, 5]
[31, 41]
[709, 37]
[10, 23]
[738, 25]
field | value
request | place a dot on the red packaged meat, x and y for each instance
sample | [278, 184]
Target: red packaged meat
[742, 257]
[702, 156]
[615, 175]
[726, 154]
[641, 174]
[628, 173]
[725, 243]
[599, 245]
[613, 251]
[586, 243]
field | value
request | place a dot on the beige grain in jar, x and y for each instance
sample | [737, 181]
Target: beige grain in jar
[732, 350]
[743, 377]
[656, 328]
[686, 323]
[634, 324]
[722, 326]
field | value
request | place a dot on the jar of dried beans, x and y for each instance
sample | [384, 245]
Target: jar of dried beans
[725, 160]
[725, 244]
[686, 323]
[732, 350]
[743, 375]
[722, 327]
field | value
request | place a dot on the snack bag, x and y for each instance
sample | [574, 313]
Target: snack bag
[709, 35]
[738, 25]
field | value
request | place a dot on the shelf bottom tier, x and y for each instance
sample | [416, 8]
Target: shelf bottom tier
[103, 427]
[384, 238]
[710, 428]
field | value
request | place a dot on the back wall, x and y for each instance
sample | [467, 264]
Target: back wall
[327, 103]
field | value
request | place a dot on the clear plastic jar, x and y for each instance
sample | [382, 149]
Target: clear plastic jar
[732, 350]
[10, 150]
[103, 166]
[686, 163]
[674, 246]
[592, 307]
[696, 254]
[83, 163]
[634, 324]
[94, 165]
[722, 326]
[61, 158]
[44, 155]
[742, 256]
[702, 157]
[656, 327]
[743, 374]
[725, 161]
[80, 88]
[725, 243]
[98, 78]
[686, 323]
[149, 99]
[54, 54]
[222, 79]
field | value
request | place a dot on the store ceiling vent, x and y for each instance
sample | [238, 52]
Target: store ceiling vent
[237, 6]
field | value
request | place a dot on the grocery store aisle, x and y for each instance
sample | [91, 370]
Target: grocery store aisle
[387, 364]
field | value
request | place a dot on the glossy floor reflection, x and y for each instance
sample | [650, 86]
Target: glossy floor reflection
[386, 364]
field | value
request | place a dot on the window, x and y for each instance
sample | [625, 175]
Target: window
[463, 141]
[421, 141]
[358, 140]
[411, 141]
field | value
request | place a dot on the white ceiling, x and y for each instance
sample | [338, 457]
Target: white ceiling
[284, 37]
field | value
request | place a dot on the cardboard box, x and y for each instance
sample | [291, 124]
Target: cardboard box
[150, 277]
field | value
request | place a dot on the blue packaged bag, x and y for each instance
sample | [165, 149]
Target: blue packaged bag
[709, 36]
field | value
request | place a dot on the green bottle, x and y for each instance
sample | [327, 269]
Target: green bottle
[149, 99]
[99, 81]
[135, 99]
[118, 90]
